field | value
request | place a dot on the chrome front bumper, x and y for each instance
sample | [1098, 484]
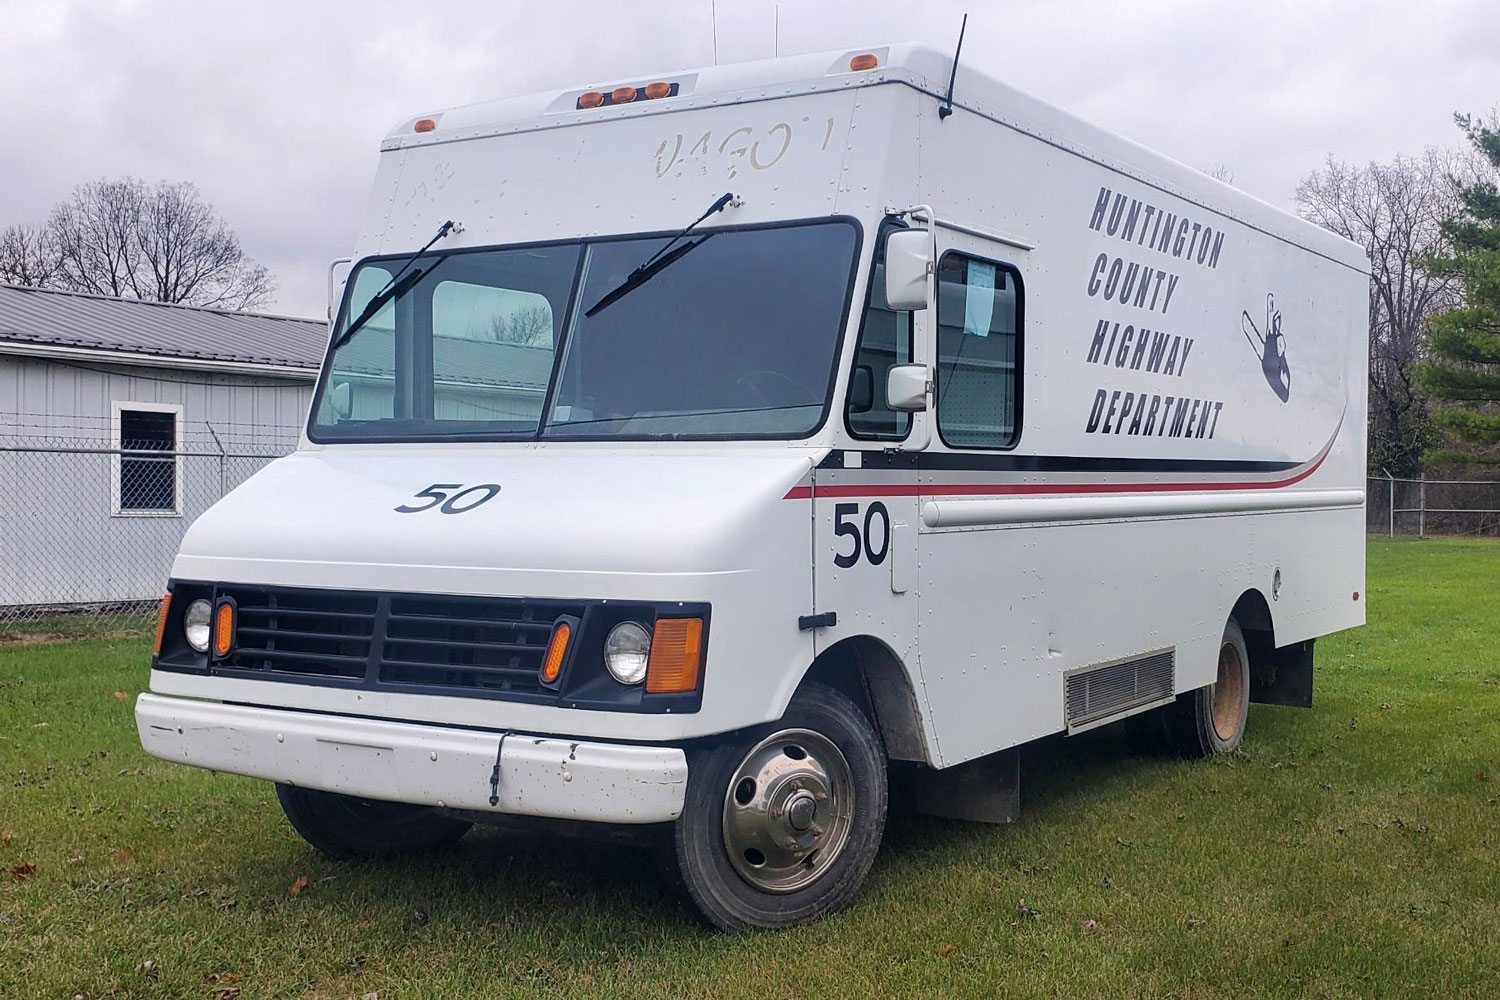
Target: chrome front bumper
[420, 764]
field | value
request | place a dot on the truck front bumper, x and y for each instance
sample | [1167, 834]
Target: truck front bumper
[420, 764]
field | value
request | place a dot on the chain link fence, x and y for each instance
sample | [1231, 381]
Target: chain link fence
[88, 529]
[1432, 506]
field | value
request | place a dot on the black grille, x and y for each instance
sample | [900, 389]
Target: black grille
[401, 641]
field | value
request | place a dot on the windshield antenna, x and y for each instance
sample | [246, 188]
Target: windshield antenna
[947, 107]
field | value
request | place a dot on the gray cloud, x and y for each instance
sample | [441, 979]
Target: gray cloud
[275, 109]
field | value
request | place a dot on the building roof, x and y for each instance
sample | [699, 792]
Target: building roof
[72, 321]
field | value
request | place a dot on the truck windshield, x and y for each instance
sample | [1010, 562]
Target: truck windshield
[735, 339]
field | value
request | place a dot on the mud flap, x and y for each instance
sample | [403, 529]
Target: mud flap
[984, 790]
[1280, 676]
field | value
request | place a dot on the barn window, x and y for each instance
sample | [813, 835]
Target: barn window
[147, 469]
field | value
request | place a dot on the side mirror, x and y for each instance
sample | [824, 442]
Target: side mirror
[908, 258]
[906, 388]
[338, 273]
[862, 390]
[341, 401]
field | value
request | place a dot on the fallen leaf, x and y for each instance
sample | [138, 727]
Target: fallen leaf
[946, 949]
[23, 869]
[150, 969]
[226, 993]
[5, 836]
[299, 885]
[372, 995]
[1089, 926]
[124, 854]
[1195, 922]
[1023, 910]
[121, 695]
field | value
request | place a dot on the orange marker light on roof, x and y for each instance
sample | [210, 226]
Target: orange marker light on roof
[658, 90]
[424, 125]
[622, 95]
[865, 61]
[590, 99]
[676, 656]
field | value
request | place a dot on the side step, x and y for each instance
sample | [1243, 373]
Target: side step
[1103, 692]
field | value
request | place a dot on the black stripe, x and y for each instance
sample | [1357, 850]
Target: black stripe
[947, 461]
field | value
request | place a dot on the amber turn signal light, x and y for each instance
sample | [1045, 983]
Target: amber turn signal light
[161, 621]
[676, 656]
[866, 61]
[557, 649]
[223, 628]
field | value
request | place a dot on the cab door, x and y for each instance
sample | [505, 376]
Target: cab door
[865, 496]
[988, 663]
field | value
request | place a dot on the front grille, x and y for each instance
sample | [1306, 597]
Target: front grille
[399, 641]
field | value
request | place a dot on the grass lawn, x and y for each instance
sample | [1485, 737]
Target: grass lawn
[1348, 851]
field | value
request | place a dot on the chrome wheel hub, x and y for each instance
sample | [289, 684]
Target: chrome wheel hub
[788, 810]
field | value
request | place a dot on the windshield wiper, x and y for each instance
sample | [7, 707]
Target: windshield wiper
[660, 260]
[392, 288]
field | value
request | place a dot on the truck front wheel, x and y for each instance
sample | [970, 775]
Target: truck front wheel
[345, 827]
[782, 823]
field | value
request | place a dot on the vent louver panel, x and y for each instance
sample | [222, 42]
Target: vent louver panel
[1097, 694]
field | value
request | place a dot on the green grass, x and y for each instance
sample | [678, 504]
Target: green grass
[1348, 851]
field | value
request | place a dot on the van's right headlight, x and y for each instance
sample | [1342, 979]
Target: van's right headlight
[195, 624]
[627, 651]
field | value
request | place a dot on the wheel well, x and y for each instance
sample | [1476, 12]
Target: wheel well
[1253, 613]
[872, 676]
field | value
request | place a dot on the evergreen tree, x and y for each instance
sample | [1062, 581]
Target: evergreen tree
[1462, 372]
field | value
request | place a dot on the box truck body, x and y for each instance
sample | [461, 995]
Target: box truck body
[937, 433]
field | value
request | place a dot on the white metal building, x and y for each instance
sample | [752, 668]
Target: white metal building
[120, 422]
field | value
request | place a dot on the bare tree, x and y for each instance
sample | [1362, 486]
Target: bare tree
[27, 256]
[164, 244]
[530, 326]
[1220, 172]
[1395, 210]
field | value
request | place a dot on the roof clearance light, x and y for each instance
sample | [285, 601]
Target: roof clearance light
[658, 90]
[861, 62]
[424, 125]
[622, 95]
[590, 99]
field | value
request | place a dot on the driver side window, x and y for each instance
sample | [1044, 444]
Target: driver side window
[885, 340]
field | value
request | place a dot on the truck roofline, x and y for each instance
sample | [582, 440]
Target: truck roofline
[917, 66]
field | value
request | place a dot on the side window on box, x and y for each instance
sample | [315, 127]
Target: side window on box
[979, 355]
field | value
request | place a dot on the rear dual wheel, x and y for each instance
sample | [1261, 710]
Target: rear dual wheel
[1210, 720]
[781, 824]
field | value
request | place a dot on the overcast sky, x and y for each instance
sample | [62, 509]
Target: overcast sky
[275, 109]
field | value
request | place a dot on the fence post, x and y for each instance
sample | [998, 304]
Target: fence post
[220, 445]
[1422, 507]
[1392, 508]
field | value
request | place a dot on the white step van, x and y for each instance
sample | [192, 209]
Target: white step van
[689, 449]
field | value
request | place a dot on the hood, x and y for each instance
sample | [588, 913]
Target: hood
[560, 520]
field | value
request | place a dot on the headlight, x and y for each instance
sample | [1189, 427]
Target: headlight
[627, 650]
[195, 623]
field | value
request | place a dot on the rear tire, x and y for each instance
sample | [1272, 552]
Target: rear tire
[1208, 721]
[347, 828]
[782, 822]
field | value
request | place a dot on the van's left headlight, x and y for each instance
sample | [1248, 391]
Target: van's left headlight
[195, 624]
[627, 651]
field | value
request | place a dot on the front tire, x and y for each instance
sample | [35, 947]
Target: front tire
[345, 827]
[782, 823]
